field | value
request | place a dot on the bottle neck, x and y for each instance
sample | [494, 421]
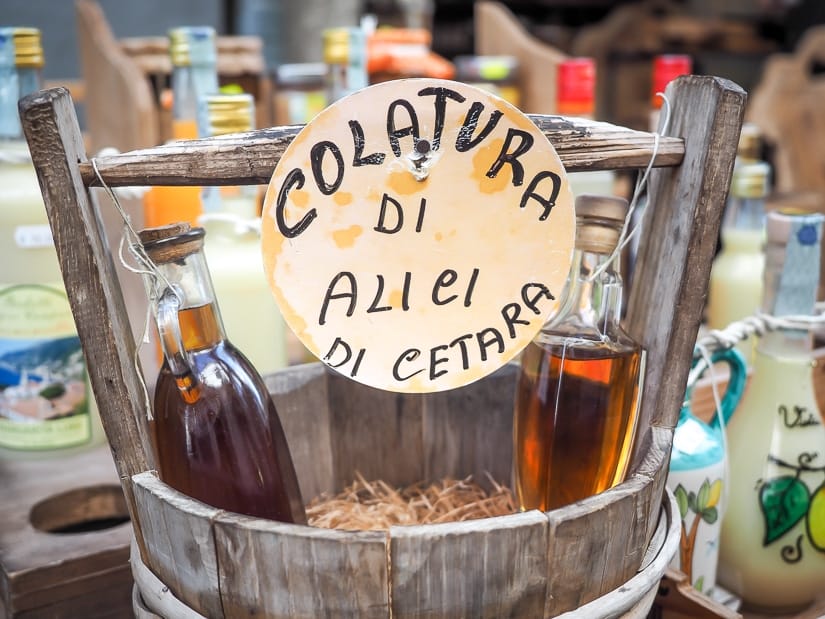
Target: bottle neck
[745, 213]
[15, 83]
[189, 83]
[591, 305]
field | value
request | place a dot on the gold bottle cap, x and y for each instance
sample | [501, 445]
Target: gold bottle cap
[599, 222]
[750, 180]
[750, 142]
[336, 45]
[192, 45]
[229, 113]
[171, 243]
[28, 48]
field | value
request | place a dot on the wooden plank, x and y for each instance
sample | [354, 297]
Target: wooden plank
[489, 568]
[250, 158]
[39, 568]
[50, 125]
[596, 544]
[469, 431]
[654, 466]
[300, 395]
[679, 239]
[177, 533]
[279, 571]
[377, 433]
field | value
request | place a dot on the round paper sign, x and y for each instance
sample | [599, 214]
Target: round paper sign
[417, 234]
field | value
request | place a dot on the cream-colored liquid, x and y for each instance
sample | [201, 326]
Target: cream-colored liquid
[251, 317]
[754, 570]
[736, 281]
[25, 258]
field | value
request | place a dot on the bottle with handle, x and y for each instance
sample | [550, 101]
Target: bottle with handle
[217, 433]
[698, 474]
[773, 535]
[579, 379]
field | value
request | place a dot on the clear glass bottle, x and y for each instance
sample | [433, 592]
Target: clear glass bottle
[46, 404]
[772, 551]
[578, 385]
[232, 222]
[217, 433]
[735, 289]
[193, 52]
[345, 54]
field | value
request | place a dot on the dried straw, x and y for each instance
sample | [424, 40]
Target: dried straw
[376, 506]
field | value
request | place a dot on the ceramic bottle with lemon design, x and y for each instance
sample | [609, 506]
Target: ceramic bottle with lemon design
[698, 478]
[773, 536]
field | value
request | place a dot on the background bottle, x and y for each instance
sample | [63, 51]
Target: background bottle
[345, 55]
[576, 96]
[772, 550]
[193, 52]
[666, 68]
[217, 433]
[231, 218]
[736, 276]
[46, 403]
[578, 385]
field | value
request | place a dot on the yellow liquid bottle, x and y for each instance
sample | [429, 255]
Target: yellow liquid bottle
[232, 222]
[46, 403]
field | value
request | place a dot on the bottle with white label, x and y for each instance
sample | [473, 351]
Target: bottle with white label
[46, 404]
[232, 222]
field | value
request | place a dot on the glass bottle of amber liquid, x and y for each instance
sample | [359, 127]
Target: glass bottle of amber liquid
[578, 385]
[217, 433]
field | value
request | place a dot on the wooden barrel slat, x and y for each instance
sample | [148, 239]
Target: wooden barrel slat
[177, 532]
[300, 395]
[490, 568]
[279, 571]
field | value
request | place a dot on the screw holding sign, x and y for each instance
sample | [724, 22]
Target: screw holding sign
[422, 159]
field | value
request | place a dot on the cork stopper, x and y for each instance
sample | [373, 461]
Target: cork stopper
[192, 46]
[599, 221]
[171, 243]
[229, 113]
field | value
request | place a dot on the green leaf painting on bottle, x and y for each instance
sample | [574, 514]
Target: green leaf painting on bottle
[704, 507]
[785, 501]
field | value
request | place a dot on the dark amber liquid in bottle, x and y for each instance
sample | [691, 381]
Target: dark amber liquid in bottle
[218, 436]
[574, 423]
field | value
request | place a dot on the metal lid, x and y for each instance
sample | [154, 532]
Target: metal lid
[599, 222]
[21, 48]
[336, 45]
[229, 113]
[171, 243]
[192, 46]
[750, 142]
[751, 179]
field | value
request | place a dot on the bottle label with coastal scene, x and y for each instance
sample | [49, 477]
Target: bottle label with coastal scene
[44, 401]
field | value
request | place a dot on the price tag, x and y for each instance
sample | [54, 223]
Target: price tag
[417, 234]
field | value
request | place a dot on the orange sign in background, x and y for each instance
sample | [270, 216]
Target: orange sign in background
[417, 234]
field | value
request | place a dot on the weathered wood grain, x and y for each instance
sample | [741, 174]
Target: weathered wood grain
[180, 548]
[250, 158]
[300, 395]
[679, 237]
[284, 571]
[469, 431]
[490, 568]
[43, 572]
[50, 125]
[376, 433]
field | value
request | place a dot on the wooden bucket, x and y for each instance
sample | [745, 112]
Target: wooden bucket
[526, 565]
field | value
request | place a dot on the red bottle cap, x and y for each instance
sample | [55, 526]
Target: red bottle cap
[667, 68]
[576, 87]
